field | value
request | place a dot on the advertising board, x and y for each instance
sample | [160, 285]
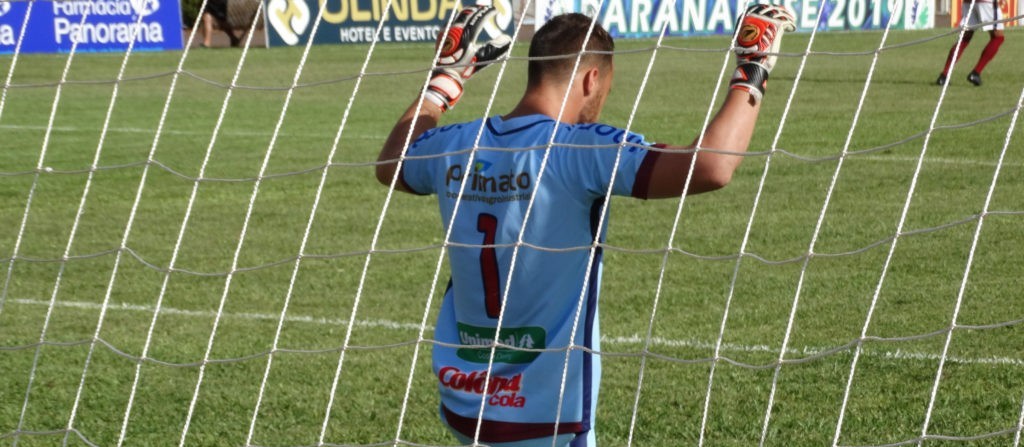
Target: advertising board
[44, 26]
[646, 18]
[1008, 8]
[290, 22]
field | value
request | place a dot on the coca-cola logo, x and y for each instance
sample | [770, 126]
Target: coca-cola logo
[503, 391]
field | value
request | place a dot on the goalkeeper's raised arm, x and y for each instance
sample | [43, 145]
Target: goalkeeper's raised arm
[758, 40]
[460, 56]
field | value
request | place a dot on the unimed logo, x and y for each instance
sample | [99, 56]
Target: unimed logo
[503, 391]
[516, 344]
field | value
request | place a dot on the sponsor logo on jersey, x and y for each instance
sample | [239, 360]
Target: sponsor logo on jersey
[482, 179]
[514, 340]
[503, 391]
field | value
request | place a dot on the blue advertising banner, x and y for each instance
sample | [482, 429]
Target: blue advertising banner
[53, 26]
[646, 18]
[355, 21]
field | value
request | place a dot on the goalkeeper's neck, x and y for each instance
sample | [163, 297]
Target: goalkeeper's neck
[579, 100]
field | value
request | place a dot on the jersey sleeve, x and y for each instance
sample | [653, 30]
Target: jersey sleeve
[599, 151]
[417, 170]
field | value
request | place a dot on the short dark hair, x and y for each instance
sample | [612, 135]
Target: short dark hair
[563, 36]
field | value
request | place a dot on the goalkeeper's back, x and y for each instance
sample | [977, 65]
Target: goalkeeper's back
[551, 300]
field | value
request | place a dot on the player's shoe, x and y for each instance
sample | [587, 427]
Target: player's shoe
[974, 78]
[941, 80]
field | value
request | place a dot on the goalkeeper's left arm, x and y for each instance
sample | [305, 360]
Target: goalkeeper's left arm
[460, 57]
[758, 40]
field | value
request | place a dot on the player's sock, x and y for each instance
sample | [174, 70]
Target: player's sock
[959, 52]
[988, 53]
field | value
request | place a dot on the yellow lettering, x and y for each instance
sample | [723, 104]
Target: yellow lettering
[504, 8]
[335, 17]
[291, 11]
[359, 15]
[446, 7]
[419, 14]
[400, 9]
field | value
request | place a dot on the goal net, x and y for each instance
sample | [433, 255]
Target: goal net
[194, 249]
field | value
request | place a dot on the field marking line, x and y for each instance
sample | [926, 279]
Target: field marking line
[620, 340]
[937, 160]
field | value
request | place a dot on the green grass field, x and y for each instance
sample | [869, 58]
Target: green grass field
[980, 391]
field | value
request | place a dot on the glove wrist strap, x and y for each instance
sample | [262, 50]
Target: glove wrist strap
[751, 77]
[443, 90]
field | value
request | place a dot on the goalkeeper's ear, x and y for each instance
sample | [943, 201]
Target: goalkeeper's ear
[591, 81]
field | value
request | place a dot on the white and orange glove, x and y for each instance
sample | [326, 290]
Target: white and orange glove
[461, 55]
[757, 46]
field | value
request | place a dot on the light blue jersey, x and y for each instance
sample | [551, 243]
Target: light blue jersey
[551, 290]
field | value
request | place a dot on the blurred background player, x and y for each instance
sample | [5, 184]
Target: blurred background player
[548, 314]
[977, 13]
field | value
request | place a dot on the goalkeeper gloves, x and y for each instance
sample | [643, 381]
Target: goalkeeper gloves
[461, 56]
[757, 45]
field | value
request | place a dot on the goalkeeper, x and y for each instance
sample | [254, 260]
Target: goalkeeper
[547, 312]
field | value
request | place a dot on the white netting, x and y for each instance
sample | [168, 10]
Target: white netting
[248, 282]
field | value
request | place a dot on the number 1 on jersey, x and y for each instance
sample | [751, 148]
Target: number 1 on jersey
[488, 225]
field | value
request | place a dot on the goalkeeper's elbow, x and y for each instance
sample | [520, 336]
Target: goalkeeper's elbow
[712, 176]
[717, 180]
[386, 172]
